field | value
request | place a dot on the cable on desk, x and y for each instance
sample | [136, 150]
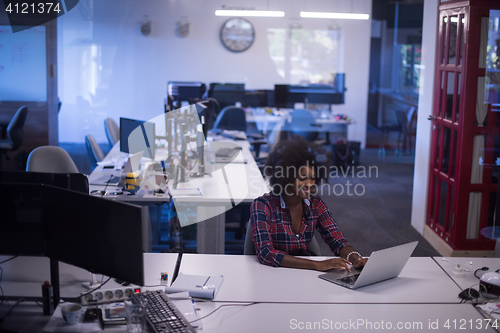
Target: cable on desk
[14, 257]
[221, 307]
[90, 291]
[12, 308]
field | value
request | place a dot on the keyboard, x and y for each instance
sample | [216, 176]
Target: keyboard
[162, 314]
[350, 279]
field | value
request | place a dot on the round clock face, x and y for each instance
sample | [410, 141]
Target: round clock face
[237, 34]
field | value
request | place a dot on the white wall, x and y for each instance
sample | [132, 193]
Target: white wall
[423, 140]
[108, 69]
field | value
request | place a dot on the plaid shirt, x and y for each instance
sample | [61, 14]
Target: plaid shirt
[272, 229]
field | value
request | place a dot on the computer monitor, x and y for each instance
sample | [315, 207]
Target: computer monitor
[285, 95]
[227, 94]
[71, 181]
[21, 230]
[178, 92]
[94, 233]
[100, 235]
[137, 135]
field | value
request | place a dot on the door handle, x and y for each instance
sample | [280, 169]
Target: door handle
[431, 117]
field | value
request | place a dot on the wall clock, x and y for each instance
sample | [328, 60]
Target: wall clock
[237, 34]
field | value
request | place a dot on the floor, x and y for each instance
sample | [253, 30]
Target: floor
[376, 216]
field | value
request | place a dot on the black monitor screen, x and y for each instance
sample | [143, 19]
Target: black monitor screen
[178, 92]
[227, 94]
[143, 140]
[97, 234]
[22, 231]
[71, 181]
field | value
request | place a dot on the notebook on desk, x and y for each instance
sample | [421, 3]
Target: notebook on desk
[382, 265]
[133, 164]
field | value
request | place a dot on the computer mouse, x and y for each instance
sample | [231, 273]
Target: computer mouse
[469, 294]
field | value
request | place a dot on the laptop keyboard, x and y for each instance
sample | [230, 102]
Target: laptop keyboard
[350, 279]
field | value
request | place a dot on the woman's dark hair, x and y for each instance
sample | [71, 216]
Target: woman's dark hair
[285, 160]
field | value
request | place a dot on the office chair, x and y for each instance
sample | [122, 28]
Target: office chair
[94, 151]
[112, 131]
[14, 134]
[304, 124]
[407, 121]
[233, 118]
[51, 159]
[249, 248]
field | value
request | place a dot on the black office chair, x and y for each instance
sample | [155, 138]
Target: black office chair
[233, 118]
[14, 134]
[94, 151]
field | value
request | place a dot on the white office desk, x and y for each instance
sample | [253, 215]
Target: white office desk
[422, 293]
[245, 279]
[227, 186]
[469, 265]
[343, 318]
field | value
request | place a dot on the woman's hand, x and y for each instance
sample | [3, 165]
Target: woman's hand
[338, 263]
[359, 262]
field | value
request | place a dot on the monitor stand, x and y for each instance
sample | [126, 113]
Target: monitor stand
[54, 280]
[93, 283]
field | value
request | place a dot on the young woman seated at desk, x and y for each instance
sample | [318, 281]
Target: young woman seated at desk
[283, 220]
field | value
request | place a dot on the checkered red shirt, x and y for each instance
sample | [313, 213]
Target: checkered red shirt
[272, 229]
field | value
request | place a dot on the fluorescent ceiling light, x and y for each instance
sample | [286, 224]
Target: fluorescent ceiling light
[261, 13]
[349, 16]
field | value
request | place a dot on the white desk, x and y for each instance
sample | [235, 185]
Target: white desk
[469, 265]
[422, 294]
[343, 318]
[245, 279]
[229, 185]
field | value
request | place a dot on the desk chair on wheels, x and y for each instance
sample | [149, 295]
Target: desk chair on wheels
[14, 134]
[233, 118]
[94, 151]
[112, 131]
[249, 248]
[52, 159]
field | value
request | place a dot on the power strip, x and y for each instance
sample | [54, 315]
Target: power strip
[114, 295]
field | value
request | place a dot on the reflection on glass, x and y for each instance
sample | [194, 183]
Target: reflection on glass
[438, 144]
[409, 69]
[453, 155]
[276, 39]
[492, 209]
[492, 84]
[440, 105]
[450, 210]
[442, 202]
[462, 38]
[453, 40]
[458, 98]
[449, 95]
[446, 150]
[311, 56]
[23, 56]
[443, 48]
[435, 199]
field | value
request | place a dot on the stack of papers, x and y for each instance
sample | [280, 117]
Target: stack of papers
[197, 285]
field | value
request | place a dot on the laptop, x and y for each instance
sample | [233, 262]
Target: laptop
[382, 265]
[133, 164]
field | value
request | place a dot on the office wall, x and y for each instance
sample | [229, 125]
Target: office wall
[108, 69]
[425, 102]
